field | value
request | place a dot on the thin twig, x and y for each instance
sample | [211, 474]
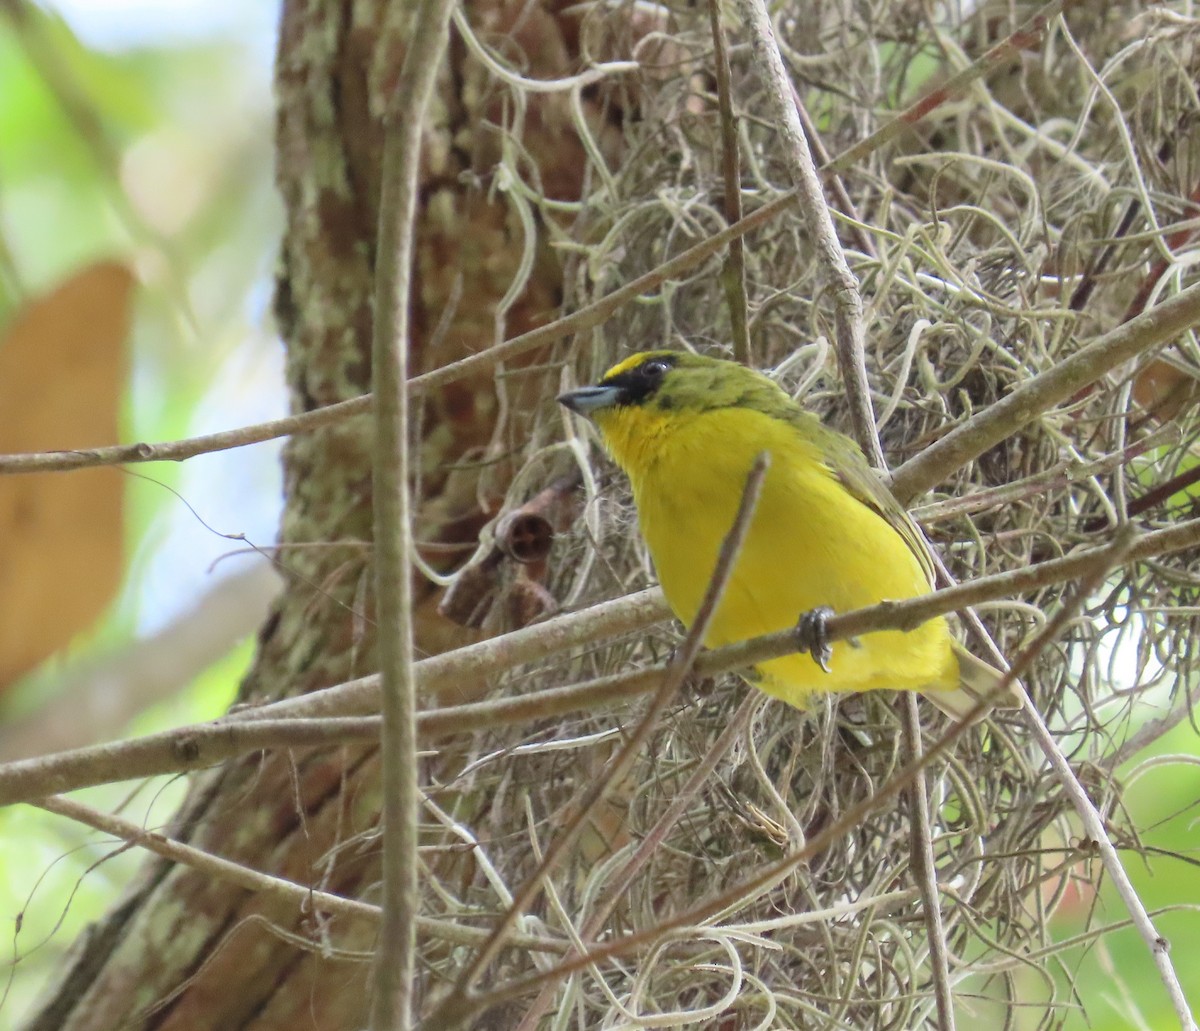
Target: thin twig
[833, 180]
[924, 870]
[1148, 733]
[1089, 815]
[674, 675]
[189, 447]
[306, 900]
[911, 613]
[1113, 555]
[192, 747]
[657, 834]
[1025, 37]
[848, 310]
[393, 985]
[1056, 477]
[733, 272]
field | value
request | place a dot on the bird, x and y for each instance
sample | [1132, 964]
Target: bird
[826, 534]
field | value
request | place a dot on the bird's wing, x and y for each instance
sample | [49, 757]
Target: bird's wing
[845, 460]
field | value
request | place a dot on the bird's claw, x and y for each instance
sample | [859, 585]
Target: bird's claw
[812, 635]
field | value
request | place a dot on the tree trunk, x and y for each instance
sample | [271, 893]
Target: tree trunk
[181, 951]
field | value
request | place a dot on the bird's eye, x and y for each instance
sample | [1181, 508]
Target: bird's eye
[655, 369]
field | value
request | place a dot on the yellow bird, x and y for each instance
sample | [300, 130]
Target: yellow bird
[826, 532]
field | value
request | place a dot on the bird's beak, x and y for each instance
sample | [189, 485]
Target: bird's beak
[587, 400]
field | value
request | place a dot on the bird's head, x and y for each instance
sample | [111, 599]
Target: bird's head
[652, 393]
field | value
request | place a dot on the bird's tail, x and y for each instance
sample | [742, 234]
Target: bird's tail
[976, 680]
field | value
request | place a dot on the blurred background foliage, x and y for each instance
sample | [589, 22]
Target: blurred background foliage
[141, 133]
[1115, 980]
[137, 135]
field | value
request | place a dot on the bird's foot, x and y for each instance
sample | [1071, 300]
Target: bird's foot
[812, 635]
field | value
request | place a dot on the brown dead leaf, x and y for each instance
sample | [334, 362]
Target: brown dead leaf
[62, 370]
[1164, 389]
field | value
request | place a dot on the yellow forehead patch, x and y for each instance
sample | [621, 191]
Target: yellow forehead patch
[632, 362]
[625, 365]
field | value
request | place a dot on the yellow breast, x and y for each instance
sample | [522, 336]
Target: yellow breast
[810, 543]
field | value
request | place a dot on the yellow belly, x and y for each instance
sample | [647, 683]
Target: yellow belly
[811, 543]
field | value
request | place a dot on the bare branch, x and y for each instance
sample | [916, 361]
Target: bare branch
[305, 899]
[393, 984]
[1153, 327]
[202, 745]
[815, 213]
